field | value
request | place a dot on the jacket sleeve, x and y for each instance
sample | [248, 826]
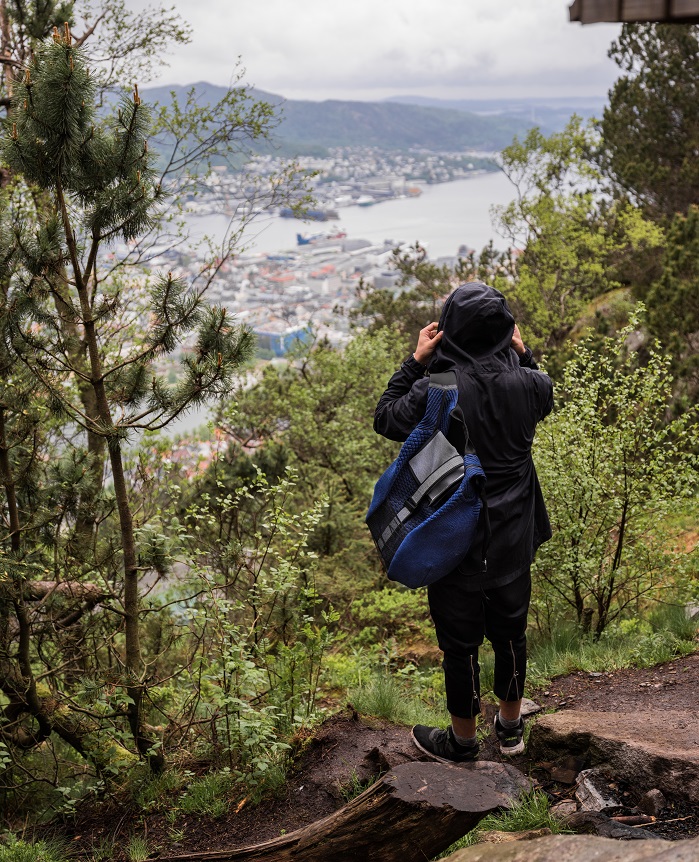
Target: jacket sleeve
[526, 360]
[402, 405]
[544, 386]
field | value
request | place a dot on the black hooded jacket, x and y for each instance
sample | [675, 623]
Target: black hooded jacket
[503, 398]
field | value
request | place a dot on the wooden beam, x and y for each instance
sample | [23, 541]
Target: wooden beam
[637, 11]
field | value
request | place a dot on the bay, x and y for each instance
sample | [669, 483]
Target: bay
[442, 218]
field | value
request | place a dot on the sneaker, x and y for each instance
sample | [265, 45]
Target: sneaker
[441, 745]
[511, 740]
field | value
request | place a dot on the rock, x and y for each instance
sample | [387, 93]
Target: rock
[653, 802]
[692, 610]
[529, 707]
[580, 848]
[495, 837]
[646, 749]
[593, 792]
[596, 823]
[564, 808]
[563, 776]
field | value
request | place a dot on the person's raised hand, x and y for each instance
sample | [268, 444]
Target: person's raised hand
[517, 342]
[428, 339]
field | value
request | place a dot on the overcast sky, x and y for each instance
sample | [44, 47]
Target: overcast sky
[372, 49]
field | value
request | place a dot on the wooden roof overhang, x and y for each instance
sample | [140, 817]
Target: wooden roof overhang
[628, 11]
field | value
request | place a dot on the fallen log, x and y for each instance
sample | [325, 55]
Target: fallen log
[413, 813]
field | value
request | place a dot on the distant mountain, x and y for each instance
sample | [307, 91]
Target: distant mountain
[550, 114]
[310, 125]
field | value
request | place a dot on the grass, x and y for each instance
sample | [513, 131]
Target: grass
[137, 849]
[208, 796]
[16, 850]
[530, 811]
[664, 635]
[397, 700]
[154, 792]
[413, 695]
[355, 786]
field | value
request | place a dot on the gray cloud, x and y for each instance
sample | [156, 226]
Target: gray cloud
[449, 48]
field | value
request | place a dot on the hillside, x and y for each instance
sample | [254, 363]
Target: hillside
[552, 115]
[389, 125]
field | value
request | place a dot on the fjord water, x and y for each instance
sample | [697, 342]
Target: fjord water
[442, 218]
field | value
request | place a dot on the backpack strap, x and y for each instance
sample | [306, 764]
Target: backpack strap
[446, 380]
[443, 386]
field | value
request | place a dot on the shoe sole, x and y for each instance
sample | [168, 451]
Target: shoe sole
[436, 756]
[508, 751]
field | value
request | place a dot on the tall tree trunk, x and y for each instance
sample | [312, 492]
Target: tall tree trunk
[7, 480]
[133, 663]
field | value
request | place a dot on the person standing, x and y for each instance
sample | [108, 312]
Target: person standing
[503, 396]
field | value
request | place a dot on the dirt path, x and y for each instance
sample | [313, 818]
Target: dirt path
[673, 685]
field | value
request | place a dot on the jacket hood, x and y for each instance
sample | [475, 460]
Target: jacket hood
[477, 324]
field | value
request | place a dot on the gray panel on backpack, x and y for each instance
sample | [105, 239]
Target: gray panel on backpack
[431, 460]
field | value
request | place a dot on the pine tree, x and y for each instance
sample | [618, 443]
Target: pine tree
[96, 182]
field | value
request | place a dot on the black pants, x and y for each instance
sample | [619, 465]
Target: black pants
[462, 619]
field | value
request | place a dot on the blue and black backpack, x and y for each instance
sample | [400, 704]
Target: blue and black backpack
[425, 509]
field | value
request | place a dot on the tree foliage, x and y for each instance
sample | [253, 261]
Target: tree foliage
[122, 45]
[319, 411]
[88, 342]
[612, 468]
[673, 300]
[576, 245]
[650, 129]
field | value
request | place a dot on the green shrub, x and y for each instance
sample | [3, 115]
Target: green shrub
[612, 468]
[392, 612]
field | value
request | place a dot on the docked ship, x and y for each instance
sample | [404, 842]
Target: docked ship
[323, 236]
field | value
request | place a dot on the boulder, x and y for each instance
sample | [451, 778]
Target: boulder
[580, 848]
[646, 749]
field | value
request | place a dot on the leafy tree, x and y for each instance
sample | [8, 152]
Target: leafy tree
[576, 244]
[122, 45]
[72, 325]
[319, 409]
[612, 468]
[650, 129]
[673, 300]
